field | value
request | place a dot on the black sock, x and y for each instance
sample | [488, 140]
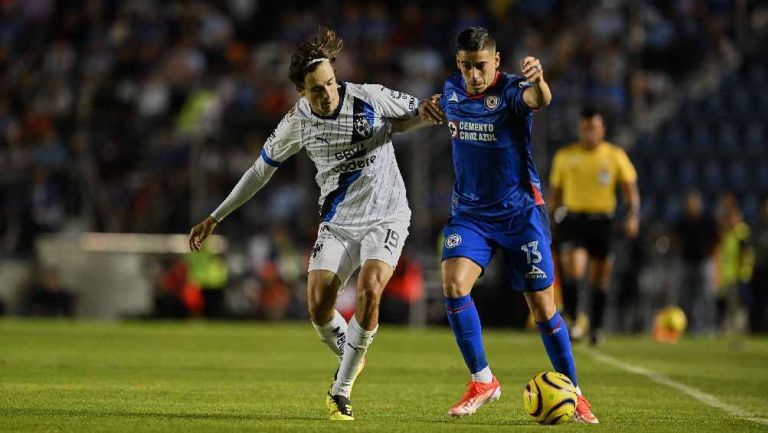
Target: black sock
[570, 291]
[598, 308]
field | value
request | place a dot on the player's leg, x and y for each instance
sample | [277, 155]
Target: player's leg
[330, 266]
[373, 278]
[380, 249]
[322, 287]
[528, 259]
[465, 253]
[554, 335]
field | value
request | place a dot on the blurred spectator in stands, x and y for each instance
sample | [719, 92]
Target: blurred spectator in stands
[209, 272]
[735, 261]
[176, 297]
[275, 297]
[48, 297]
[696, 236]
[757, 314]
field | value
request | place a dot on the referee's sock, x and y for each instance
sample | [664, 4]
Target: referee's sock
[465, 322]
[598, 308]
[570, 291]
[554, 334]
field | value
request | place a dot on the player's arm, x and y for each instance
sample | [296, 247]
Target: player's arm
[538, 95]
[429, 114]
[281, 144]
[249, 184]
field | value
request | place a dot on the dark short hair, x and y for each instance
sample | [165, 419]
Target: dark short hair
[590, 112]
[476, 38]
[325, 45]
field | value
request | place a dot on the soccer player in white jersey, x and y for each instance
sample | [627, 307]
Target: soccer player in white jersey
[346, 131]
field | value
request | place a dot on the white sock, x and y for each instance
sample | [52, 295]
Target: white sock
[483, 376]
[358, 340]
[578, 391]
[333, 333]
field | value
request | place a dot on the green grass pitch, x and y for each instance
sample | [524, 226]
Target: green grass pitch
[249, 377]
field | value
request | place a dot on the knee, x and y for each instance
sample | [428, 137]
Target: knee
[319, 305]
[453, 288]
[542, 308]
[370, 288]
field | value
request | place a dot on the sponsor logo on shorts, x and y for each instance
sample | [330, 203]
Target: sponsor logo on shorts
[452, 241]
[535, 273]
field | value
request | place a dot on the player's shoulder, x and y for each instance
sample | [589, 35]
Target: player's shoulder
[292, 119]
[367, 90]
[454, 81]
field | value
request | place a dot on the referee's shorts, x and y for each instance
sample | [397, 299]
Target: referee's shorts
[591, 231]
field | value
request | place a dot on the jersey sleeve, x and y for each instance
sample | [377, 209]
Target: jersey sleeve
[626, 171]
[391, 103]
[556, 173]
[514, 95]
[284, 142]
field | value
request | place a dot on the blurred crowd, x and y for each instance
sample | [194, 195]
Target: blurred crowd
[139, 116]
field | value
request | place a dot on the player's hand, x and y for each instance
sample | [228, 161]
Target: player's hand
[632, 226]
[429, 110]
[200, 232]
[532, 70]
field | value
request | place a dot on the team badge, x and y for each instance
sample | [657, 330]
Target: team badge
[363, 126]
[454, 128]
[452, 241]
[491, 102]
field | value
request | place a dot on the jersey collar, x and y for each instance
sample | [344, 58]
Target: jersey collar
[335, 114]
[480, 95]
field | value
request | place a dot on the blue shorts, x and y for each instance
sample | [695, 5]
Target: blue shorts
[525, 241]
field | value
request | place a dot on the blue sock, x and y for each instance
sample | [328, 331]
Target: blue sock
[554, 334]
[465, 322]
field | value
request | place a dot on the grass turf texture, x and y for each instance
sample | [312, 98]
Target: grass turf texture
[247, 377]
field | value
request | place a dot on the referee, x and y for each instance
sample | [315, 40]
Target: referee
[583, 183]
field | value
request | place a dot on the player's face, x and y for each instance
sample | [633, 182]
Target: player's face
[321, 90]
[591, 131]
[478, 68]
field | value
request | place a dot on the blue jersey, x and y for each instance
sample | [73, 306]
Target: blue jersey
[491, 138]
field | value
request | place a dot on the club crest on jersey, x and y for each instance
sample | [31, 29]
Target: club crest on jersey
[363, 126]
[452, 241]
[491, 102]
[454, 128]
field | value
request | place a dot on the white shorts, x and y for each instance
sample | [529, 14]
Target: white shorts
[342, 250]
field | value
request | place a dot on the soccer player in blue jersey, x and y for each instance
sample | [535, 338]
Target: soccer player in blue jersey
[497, 205]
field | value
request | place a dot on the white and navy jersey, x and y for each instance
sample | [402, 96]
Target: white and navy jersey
[359, 179]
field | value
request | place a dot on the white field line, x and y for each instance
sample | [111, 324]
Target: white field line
[661, 379]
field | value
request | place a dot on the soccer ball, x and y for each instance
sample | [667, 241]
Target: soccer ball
[550, 398]
[669, 325]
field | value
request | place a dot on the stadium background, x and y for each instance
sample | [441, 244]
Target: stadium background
[138, 117]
